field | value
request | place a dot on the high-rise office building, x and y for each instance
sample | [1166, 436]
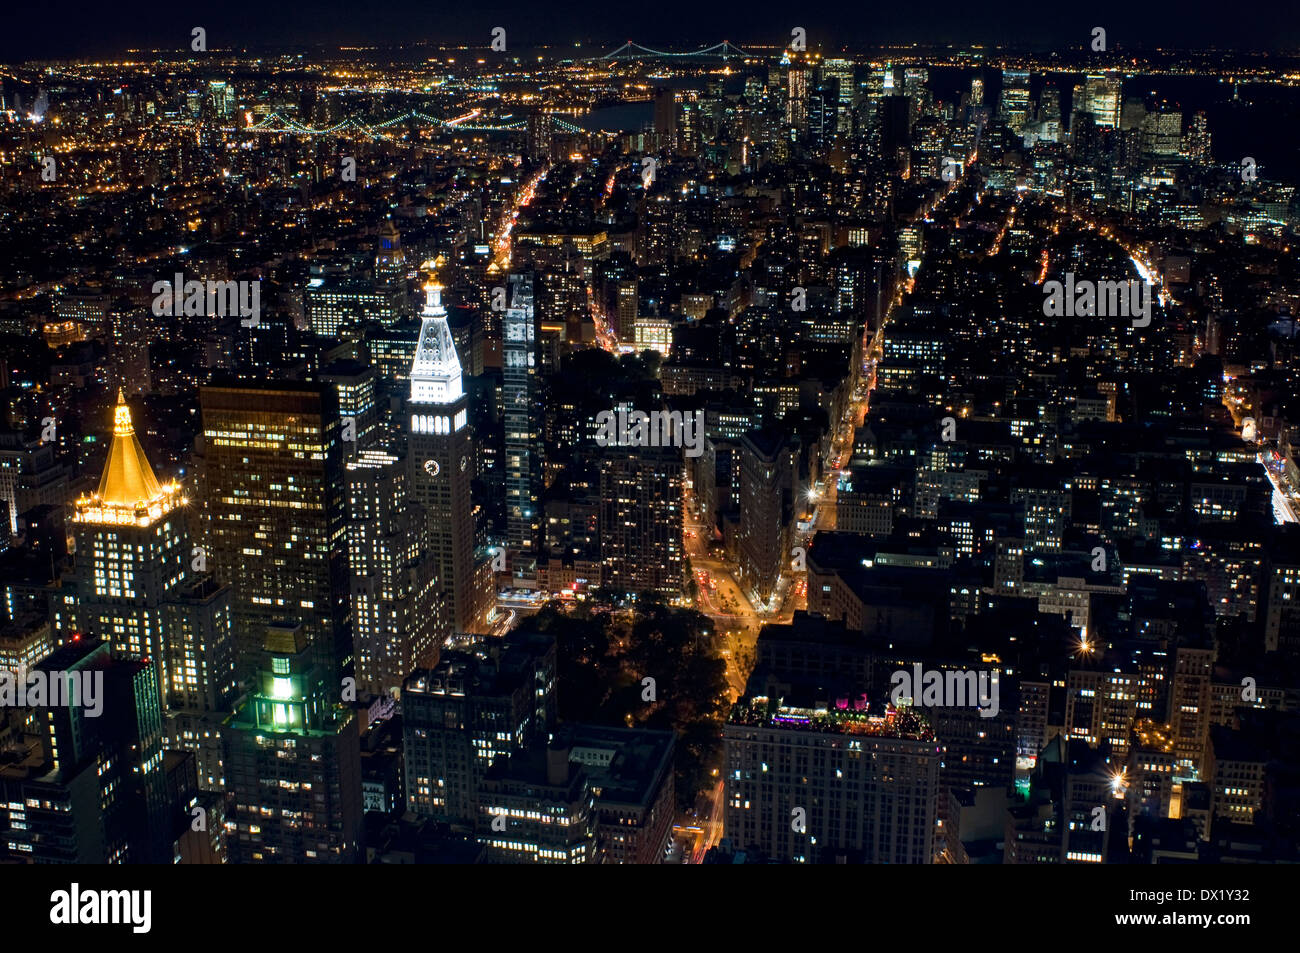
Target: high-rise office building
[30, 476]
[143, 588]
[522, 431]
[1162, 133]
[626, 309]
[665, 119]
[823, 108]
[356, 384]
[275, 512]
[440, 461]
[461, 715]
[334, 302]
[541, 134]
[131, 546]
[537, 807]
[1189, 708]
[1196, 143]
[223, 96]
[1049, 104]
[842, 72]
[641, 519]
[201, 686]
[396, 622]
[90, 787]
[1102, 96]
[765, 507]
[805, 782]
[797, 83]
[1014, 108]
[293, 761]
[390, 263]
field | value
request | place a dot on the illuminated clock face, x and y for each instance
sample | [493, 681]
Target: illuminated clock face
[431, 467]
[464, 462]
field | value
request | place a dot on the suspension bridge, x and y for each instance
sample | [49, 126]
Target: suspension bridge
[635, 51]
[353, 126]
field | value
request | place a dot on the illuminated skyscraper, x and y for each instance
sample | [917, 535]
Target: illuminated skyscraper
[143, 589]
[765, 510]
[796, 94]
[333, 302]
[823, 106]
[200, 663]
[395, 604]
[1049, 104]
[223, 96]
[275, 512]
[30, 476]
[1102, 97]
[842, 72]
[523, 431]
[641, 519]
[441, 464]
[294, 761]
[131, 549]
[358, 404]
[1015, 98]
[1196, 143]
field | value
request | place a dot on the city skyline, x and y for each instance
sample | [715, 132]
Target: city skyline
[623, 436]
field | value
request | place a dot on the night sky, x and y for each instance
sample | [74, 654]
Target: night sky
[37, 30]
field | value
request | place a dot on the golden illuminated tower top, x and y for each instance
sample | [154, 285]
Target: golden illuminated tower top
[128, 490]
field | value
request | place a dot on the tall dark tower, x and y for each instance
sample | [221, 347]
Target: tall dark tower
[523, 432]
[440, 455]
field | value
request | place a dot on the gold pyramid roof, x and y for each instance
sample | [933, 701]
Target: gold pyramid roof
[128, 479]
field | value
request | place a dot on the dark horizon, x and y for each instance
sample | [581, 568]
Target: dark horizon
[140, 24]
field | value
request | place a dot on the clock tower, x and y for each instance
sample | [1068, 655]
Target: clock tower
[440, 455]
